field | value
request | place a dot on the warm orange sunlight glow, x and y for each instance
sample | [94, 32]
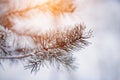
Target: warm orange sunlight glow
[59, 6]
[38, 16]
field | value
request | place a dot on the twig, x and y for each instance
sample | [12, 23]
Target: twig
[4, 50]
[15, 57]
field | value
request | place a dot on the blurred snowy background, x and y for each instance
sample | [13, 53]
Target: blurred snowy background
[99, 61]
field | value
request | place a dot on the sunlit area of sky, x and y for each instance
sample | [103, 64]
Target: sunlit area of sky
[98, 61]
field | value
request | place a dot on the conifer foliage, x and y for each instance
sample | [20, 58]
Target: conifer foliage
[53, 47]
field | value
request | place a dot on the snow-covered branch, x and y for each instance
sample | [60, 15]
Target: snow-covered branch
[51, 46]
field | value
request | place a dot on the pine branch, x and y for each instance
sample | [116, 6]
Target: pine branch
[15, 57]
[54, 47]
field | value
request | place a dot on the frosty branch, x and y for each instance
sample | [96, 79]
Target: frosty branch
[56, 47]
[53, 46]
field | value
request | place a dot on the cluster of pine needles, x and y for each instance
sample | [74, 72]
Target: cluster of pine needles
[54, 47]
